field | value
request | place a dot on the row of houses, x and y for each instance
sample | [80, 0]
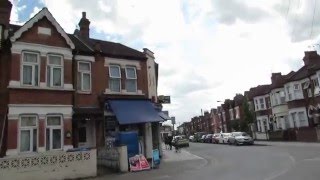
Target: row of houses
[286, 109]
[61, 91]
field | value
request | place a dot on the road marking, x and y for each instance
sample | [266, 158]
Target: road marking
[293, 161]
[313, 159]
[163, 177]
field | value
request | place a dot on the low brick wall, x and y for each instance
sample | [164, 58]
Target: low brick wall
[276, 136]
[50, 165]
[307, 134]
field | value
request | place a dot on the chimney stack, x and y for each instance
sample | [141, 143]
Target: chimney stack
[311, 57]
[275, 77]
[84, 26]
[5, 11]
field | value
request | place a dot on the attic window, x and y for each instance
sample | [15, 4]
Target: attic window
[306, 85]
[45, 31]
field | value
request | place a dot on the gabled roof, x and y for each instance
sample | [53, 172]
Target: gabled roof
[41, 14]
[281, 80]
[111, 49]
[260, 90]
[304, 72]
[312, 64]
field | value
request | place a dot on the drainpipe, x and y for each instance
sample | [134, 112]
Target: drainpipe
[74, 82]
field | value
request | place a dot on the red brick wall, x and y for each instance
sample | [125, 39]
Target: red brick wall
[32, 96]
[42, 130]
[12, 141]
[67, 127]
[32, 36]
[100, 82]
[307, 134]
[296, 104]
[16, 66]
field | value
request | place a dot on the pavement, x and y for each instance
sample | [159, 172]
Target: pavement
[263, 161]
[173, 156]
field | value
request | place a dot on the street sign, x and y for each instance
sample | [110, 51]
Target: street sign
[164, 99]
[173, 120]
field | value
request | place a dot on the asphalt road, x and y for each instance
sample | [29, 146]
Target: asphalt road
[224, 162]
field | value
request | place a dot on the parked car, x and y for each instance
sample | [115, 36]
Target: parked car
[238, 138]
[215, 138]
[197, 136]
[191, 138]
[208, 138]
[202, 139]
[223, 138]
[180, 141]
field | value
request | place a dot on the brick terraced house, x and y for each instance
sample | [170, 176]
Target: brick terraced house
[61, 91]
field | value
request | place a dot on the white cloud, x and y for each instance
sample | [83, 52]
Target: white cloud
[14, 17]
[35, 11]
[207, 50]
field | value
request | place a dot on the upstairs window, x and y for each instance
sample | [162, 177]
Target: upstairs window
[262, 104]
[282, 97]
[54, 71]
[131, 79]
[315, 82]
[115, 78]
[30, 69]
[289, 92]
[256, 104]
[84, 76]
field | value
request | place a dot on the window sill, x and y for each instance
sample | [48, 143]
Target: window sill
[123, 92]
[84, 92]
[39, 88]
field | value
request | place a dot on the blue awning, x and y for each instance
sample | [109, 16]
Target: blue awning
[164, 116]
[134, 111]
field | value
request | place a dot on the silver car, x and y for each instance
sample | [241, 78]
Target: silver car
[239, 138]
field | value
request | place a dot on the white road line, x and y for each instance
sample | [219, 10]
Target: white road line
[293, 161]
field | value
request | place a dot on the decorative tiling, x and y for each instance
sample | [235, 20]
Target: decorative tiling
[43, 160]
[4, 164]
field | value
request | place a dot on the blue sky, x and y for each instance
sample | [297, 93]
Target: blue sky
[207, 50]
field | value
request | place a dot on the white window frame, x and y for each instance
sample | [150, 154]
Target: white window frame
[113, 77]
[30, 129]
[51, 128]
[263, 102]
[282, 94]
[289, 92]
[231, 114]
[82, 72]
[54, 66]
[256, 104]
[33, 65]
[237, 112]
[129, 78]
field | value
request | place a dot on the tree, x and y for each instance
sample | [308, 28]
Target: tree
[248, 116]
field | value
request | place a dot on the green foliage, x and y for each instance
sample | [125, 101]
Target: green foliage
[235, 125]
[248, 115]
